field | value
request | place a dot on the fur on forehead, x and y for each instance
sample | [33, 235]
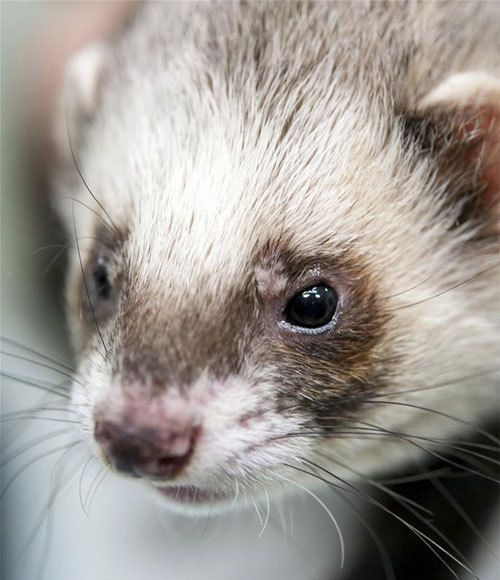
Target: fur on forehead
[212, 196]
[211, 149]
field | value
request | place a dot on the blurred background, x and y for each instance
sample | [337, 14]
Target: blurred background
[62, 517]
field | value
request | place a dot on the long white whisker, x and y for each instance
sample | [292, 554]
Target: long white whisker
[233, 503]
[267, 513]
[261, 521]
[324, 506]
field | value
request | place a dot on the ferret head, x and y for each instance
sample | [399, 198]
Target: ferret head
[272, 270]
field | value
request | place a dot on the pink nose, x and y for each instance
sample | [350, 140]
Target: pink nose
[145, 451]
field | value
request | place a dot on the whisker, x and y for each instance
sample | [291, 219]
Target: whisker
[426, 450]
[85, 283]
[110, 225]
[54, 494]
[236, 493]
[60, 391]
[38, 409]
[33, 461]
[39, 364]
[451, 445]
[66, 246]
[403, 501]
[62, 249]
[58, 254]
[97, 214]
[90, 498]
[47, 247]
[207, 522]
[429, 524]
[296, 546]
[58, 461]
[396, 496]
[257, 511]
[492, 474]
[82, 503]
[448, 383]
[442, 473]
[461, 512]
[384, 555]
[429, 542]
[414, 287]
[267, 514]
[436, 412]
[37, 353]
[323, 505]
[454, 287]
[31, 444]
[38, 418]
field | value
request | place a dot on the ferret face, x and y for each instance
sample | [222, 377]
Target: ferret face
[261, 283]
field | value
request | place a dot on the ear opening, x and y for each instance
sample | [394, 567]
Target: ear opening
[458, 123]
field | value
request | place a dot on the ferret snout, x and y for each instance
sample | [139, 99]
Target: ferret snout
[143, 442]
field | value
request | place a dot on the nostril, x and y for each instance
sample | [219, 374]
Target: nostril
[170, 457]
[165, 466]
[145, 452]
[170, 462]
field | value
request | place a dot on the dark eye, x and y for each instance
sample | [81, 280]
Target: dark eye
[312, 308]
[102, 285]
[99, 290]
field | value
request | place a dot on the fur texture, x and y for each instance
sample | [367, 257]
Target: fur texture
[243, 152]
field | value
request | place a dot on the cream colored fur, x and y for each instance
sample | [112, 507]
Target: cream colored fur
[186, 152]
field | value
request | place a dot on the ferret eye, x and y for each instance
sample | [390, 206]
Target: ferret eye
[312, 308]
[99, 290]
[102, 288]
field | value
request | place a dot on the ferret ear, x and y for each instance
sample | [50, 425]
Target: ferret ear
[464, 111]
[80, 94]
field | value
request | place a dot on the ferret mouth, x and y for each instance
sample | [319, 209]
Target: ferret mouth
[191, 495]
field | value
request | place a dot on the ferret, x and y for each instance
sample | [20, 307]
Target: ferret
[285, 228]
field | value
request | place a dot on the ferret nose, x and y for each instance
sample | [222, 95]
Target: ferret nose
[145, 451]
